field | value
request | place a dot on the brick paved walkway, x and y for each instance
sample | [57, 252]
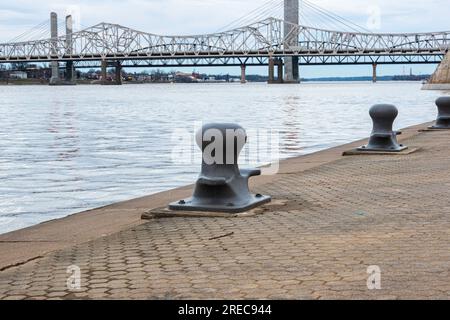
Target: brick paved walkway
[337, 220]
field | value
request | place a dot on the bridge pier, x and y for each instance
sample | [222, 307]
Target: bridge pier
[291, 17]
[70, 70]
[69, 74]
[118, 80]
[440, 80]
[271, 70]
[104, 72]
[374, 73]
[278, 62]
[243, 76]
[55, 78]
[117, 70]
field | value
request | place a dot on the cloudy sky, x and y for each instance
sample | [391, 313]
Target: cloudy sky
[203, 16]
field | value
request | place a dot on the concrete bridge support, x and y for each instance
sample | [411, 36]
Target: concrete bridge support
[55, 79]
[69, 74]
[104, 72]
[243, 76]
[271, 70]
[70, 70]
[374, 73]
[118, 80]
[440, 80]
[277, 62]
[291, 16]
[117, 65]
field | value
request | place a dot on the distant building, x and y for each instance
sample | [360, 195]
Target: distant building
[18, 75]
[34, 72]
[92, 75]
[29, 71]
[185, 77]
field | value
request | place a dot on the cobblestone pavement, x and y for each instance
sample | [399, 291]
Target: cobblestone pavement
[336, 221]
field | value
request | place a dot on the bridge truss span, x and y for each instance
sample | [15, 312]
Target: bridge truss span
[260, 40]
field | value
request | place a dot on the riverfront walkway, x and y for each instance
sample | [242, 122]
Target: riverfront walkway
[330, 220]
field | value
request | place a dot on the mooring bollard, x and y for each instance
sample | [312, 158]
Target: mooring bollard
[222, 186]
[443, 119]
[383, 137]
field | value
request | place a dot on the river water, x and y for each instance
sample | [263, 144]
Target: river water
[67, 149]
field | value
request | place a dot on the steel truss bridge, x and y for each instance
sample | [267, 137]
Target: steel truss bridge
[253, 44]
[262, 61]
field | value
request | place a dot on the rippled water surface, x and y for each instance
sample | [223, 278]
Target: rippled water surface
[68, 149]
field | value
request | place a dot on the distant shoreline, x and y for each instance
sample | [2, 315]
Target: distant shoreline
[32, 82]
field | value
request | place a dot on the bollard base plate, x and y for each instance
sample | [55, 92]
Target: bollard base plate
[434, 128]
[431, 129]
[165, 212]
[357, 152]
[366, 149]
[194, 205]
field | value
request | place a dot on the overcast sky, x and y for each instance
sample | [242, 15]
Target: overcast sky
[203, 16]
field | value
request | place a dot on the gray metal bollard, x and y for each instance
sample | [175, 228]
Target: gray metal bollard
[443, 119]
[383, 137]
[222, 186]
